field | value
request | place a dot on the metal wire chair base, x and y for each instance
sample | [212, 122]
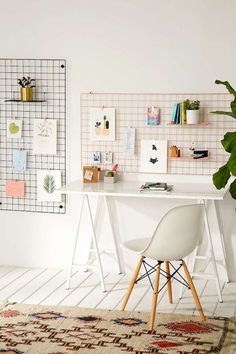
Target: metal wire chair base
[149, 269]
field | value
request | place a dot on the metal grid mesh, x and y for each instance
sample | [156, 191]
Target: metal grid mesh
[49, 101]
[131, 110]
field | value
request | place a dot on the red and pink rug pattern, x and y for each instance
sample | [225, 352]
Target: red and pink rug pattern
[34, 329]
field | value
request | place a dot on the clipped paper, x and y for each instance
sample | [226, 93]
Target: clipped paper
[19, 160]
[45, 137]
[15, 189]
[129, 142]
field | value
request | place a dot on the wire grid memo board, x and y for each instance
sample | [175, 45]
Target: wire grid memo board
[49, 102]
[131, 110]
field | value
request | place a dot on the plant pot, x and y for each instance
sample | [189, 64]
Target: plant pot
[192, 116]
[26, 93]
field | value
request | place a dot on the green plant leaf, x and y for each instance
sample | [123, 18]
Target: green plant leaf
[49, 184]
[233, 106]
[225, 113]
[227, 85]
[232, 189]
[229, 141]
[232, 163]
[221, 177]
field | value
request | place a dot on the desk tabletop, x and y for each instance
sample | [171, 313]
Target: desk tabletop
[131, 189]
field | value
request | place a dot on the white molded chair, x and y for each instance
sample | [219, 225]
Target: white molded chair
[176, 236]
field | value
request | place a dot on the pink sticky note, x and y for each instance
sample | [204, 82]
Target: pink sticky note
[15, 189]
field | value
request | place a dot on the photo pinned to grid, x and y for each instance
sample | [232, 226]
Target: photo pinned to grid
[96, 157]
[108, 158]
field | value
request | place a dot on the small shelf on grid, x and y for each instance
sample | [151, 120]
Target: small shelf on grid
[199, 125]
[32, 101]
[189, 158]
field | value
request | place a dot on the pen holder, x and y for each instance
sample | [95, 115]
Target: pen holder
[26, 93]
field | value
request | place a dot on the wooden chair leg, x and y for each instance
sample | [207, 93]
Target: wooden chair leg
[167, 266]
[131, 285]
[194, 292]
[154, 297]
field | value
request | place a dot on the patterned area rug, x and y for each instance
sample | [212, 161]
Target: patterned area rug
[31, 329]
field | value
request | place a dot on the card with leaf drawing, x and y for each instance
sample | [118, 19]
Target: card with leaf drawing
[45, 137]
[48, 181]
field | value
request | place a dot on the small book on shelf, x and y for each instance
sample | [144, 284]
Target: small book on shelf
[173, 114]
[183, 106]
[177, 115]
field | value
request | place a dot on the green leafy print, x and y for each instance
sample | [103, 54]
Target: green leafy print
[49, 184]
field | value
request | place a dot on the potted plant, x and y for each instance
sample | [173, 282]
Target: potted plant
[26, 84]
[221, 177]
[192, 111]
[110, 176]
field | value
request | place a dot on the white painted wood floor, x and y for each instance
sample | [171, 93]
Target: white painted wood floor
[47, 287]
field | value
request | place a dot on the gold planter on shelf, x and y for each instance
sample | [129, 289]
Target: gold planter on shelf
[26, 93]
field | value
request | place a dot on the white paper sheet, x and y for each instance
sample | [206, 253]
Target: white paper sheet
[129, 142]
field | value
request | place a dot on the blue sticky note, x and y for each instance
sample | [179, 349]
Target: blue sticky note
[19, 160]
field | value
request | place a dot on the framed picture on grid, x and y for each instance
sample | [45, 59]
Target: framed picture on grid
[154, 156]
[103, 124]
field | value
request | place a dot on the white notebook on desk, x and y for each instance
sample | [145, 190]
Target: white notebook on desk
[158, 187]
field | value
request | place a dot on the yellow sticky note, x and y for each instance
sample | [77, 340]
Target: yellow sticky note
[15, 189]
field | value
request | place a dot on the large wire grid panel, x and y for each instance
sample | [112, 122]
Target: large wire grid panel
[49, 102]
[131, 110]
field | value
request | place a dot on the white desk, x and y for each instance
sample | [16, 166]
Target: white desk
[131, 189]
[200, 192]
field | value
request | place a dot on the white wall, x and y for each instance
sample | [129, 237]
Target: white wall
[114, 46]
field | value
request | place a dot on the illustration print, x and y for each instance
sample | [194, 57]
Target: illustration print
[47, 184]
[154, 156]
[14, 128]
[45, 137]
[153, 115]
[102, 124]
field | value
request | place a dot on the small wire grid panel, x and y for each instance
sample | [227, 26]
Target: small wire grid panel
[131, 110]
[49, 101]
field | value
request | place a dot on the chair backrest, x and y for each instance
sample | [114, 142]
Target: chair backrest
[177, 234]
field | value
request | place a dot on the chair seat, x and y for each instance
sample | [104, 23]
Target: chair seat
[136, 245]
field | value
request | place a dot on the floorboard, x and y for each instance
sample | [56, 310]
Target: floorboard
[47, 287]
[81, 292]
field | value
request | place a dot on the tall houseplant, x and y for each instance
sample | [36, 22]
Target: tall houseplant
[221, 177]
